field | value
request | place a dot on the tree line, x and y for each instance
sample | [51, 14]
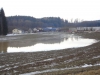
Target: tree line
[26, 22]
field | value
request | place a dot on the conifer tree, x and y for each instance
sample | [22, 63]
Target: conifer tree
[3, 25]
[0, 23]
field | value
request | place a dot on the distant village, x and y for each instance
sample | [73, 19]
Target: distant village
[23, 24]
[34, 30]
[51, 29]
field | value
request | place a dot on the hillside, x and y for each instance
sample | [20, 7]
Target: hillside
[26, 22]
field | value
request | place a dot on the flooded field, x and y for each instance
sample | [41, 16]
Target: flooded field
[42, 42]
[50, 54]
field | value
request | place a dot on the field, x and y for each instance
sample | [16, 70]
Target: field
[72, 61]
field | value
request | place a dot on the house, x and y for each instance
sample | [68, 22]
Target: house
[30, 30]
[35, 30]
[48, 29]
[85, 28]
[40, 29]
[72, 30]
[96, 29]
[17, 31]
[88, 28]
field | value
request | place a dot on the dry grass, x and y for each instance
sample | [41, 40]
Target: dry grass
[91, 72]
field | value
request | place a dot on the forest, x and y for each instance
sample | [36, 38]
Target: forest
[26, 22]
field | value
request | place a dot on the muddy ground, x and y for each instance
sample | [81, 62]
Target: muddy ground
[73, 61]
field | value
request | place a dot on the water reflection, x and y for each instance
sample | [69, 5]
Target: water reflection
[3, 47]
[70, 42]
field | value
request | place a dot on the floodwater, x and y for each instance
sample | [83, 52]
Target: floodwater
[66, 42]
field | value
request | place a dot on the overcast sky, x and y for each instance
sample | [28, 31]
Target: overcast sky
[66, 9]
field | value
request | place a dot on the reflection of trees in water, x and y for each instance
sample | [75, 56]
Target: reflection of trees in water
[21, 43]
[31, 42]
[74, 38]
[3, 47]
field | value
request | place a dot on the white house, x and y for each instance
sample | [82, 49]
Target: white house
[17, 31]
[72, 29]
[88, 28]
[35, 30]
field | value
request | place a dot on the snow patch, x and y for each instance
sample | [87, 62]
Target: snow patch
[52, 70]
[96, 57]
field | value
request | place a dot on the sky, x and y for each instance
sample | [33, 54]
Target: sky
[65, 9]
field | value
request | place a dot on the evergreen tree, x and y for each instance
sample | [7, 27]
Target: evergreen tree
[3, 26]
[0, 24]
